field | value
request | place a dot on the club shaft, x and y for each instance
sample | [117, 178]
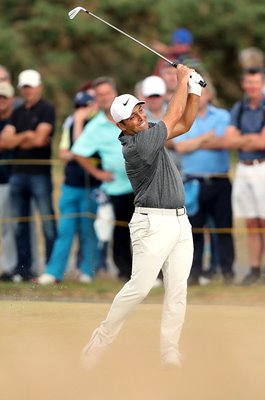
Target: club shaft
[132, 38]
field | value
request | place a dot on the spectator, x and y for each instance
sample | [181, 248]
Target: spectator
[205, 160]
[251, 57]
[246, 133]
[101, 135]
[29, 133]
[154, 91]
[76, 197]
[179, 50]
[4, 75]
[8, 259]
[169, 75]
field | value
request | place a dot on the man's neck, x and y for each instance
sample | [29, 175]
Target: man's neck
[255, 102]
[29, 104]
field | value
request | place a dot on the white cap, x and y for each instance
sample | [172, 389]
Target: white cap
[29, 77]
[153, 85]
[6, 89]
[122, 106]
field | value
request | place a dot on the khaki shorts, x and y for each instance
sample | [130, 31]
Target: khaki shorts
[248, 194]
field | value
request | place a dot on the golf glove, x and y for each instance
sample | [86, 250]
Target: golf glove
[193, 84]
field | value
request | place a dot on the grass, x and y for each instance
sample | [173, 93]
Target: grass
[103, 290]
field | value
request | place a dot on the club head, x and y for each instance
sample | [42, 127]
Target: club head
[73, 13]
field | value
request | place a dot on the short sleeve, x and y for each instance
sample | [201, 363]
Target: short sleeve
[234, 114]
[87, 144]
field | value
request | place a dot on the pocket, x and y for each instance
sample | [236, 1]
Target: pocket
[139, 227]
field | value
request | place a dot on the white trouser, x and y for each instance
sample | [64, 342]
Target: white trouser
[158, 241]
[8, 253]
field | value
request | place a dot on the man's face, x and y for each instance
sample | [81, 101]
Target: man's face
[31, 94]
[169, 74]
[253, 85]
[6, 103]
[105, 94]
[137, 122]
[154, 103]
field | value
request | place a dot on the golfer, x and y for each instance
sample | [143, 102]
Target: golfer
[160, 230]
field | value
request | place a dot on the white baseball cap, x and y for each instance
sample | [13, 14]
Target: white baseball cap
[6, 89]
[153, 85]
[122, 106]
[29, 77]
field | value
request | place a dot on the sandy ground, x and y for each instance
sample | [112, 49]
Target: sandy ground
[40, 344]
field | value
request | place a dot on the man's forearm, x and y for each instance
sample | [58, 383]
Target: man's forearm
[187, 119]
[13, 141]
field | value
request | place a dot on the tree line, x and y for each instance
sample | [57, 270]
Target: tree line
[38, 34]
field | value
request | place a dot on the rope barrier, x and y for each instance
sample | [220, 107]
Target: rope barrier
[120, 223]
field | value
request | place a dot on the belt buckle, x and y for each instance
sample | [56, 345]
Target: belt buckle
[181, 211]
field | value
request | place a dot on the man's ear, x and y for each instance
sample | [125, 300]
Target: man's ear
[121, 126]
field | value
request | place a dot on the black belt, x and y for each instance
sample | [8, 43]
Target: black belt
[205, 179]
[252, 162]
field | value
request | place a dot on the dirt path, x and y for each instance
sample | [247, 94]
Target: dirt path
[40, 344]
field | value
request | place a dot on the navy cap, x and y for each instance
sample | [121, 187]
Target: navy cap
[83, 99]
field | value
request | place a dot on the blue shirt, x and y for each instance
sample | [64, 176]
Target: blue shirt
[251, 121]
[101, 136]
[206, 162]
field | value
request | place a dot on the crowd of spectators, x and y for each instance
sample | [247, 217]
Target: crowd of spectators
[96, 199]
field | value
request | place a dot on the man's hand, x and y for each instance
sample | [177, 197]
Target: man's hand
[183, 73]
[104, 176]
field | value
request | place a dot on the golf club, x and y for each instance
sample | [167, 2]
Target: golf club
[73, 13]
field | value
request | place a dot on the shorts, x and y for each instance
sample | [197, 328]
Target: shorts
[248, 193]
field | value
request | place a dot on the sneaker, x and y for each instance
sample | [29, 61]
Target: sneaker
[92, 352]
[46, 279]
[250, 279]
[172, 360]
[85, 278]
[203, 281]
[17, 278]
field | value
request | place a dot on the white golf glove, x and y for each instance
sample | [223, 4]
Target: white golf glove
[193, 84]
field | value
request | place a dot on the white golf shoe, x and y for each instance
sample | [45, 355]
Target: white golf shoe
[92, 352]
[46, 279]
[85, 278]
[173, 359]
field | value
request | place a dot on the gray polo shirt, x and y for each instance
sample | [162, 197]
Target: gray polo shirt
[153, 175]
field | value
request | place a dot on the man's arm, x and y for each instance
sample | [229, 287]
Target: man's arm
[10, 139]
[185, 101]
[254, 141]
[178, 101]
[189, 145]
[234, 140]
[187, 119]
[90, 167]
[40, 137]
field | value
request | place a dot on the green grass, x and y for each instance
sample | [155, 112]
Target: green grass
[102, 290]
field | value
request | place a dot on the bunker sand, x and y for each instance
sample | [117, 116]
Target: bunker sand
[40, 343]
